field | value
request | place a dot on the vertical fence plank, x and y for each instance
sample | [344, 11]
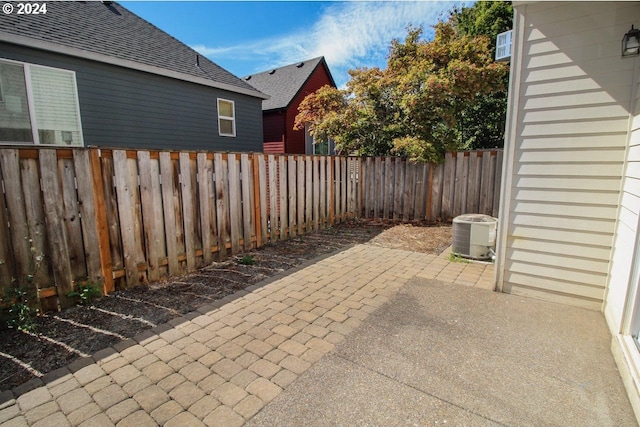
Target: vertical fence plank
[222, 203]
[323, 191]
[56, 232]
[409, 184]
[6, 266]
[460, 195]
[282, 189]
[397, 189]
[111, 211]
[204, 174]
[301, 194]
[170, 203]
[308, 186]
[94, 228]
[158, 219]
[473, 188]
[343, 188]
[486, 196]
[292, 189]
[247, 209]
[262, 181]
[436, 190]
[102, 218]
[388, 187]
[69, 200]
[126, 179]
[368, 187]
[188, 204]
[213, 214]
[273, 197]
[337, 188]
[17, 217]
[332, 190]
[378, 188]
[235, 213]
[422, 176]
[147, 193]
[36, 230]
[316, 192]
[354, 187]
[448, 186]
[257, 198]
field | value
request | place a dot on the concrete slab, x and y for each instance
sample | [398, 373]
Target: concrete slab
[439, 352]
[337, 392]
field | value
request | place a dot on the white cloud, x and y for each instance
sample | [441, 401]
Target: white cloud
[347, 34]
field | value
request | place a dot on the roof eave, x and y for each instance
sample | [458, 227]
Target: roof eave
[80, 53]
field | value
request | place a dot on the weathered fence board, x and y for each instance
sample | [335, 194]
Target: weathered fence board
[222, 203]
[92, 217]
[273, 197]
[56, 233]
[247, 208]
[292, 190]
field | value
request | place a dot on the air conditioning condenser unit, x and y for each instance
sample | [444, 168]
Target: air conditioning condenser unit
[474, 235]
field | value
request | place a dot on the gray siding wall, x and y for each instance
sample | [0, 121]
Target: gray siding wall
[125, 108]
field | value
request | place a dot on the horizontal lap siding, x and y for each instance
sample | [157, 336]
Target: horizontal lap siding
[125, 108]
[627, 229]
[570, 144]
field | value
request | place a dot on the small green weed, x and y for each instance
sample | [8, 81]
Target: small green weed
[456, 257]
[85, 292]
[19, 314]
[247, 260]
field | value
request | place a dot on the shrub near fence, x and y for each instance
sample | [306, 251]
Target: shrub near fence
[126, 217]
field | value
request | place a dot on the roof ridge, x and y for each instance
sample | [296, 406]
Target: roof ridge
[319, 58]
[167, 33]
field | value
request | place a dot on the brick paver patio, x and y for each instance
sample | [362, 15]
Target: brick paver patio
[221, 365]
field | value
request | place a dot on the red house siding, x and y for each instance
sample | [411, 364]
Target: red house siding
[294, 139]
[273, 131]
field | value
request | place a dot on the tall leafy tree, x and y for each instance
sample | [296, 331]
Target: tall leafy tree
[413, 107]
[481, 125]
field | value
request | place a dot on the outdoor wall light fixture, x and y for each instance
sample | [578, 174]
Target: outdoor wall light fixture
[631, 42]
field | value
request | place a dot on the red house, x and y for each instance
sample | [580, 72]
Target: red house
[288, 86]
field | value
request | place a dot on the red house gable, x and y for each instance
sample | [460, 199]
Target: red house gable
[288, 86]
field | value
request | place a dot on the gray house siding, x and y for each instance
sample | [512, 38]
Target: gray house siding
[124, 108]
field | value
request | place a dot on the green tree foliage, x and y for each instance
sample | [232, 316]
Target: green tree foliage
[415, 106]
[481, 125]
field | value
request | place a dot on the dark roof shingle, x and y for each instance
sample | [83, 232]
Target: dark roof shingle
[283, 84]
[108, 28]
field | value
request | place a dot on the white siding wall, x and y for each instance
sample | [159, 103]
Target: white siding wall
[566, 147]
[627, 228]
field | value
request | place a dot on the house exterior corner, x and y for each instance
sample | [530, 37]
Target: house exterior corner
[570, 198]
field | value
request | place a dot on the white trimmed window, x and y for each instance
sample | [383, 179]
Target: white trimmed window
[39, 105]
[226, 117]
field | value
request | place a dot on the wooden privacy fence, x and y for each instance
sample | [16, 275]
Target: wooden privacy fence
[396, 189]
[125, 217]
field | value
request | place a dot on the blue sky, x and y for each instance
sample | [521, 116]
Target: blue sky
[247, 37]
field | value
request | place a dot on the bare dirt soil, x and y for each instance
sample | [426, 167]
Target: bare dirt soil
[61, 338]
